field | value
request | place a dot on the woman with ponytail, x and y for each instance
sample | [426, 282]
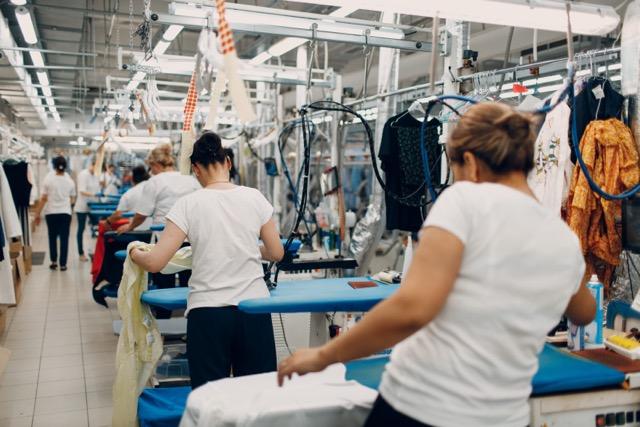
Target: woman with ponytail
[58, 194]
[224, 223]
[493, 272]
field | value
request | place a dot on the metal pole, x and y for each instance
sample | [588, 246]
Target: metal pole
[58, 52]
[47, 67]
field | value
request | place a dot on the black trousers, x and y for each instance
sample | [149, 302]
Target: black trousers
[222, 340]
[383, 415]
[82, 222]
[164, 281]
[58, 227]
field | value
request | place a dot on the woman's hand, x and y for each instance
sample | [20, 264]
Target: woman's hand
[302, 362]
[124, 229]
[37, 220]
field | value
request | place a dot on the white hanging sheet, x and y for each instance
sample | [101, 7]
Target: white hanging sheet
[12, 228]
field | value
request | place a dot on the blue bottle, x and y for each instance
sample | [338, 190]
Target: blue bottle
[593, 331]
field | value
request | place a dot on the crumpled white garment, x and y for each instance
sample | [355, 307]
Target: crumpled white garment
[321, 399]
[139, 345]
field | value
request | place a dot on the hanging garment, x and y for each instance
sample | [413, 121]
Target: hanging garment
[610, 153]
[19, 180]
[12, 229]
[551, 176]
[597, 100]
[18, 177]
[140, 343]
[401, 161]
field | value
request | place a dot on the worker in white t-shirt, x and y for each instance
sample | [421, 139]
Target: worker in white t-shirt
[88, 187]
[131, 197]
[494, 271]
[110, 181]
[160, 193]
[58, 194]
[224, 223]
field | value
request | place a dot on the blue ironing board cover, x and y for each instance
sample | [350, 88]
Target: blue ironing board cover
[304, 296]
[101, 212]
[559, 372]
[319, 296]
[157, 227]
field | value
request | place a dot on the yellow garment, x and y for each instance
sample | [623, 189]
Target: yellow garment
[140, 343]
[609, 151]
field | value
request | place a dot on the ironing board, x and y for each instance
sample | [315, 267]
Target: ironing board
[559, 372]
[296, 296]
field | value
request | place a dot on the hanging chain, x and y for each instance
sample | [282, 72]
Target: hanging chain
[144, 30]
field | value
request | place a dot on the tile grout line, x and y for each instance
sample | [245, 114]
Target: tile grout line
[84, 371]
[44, 336]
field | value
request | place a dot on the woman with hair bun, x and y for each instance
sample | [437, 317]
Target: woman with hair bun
[493, 272]
[58, 194]
[160, 193]
[224, 223]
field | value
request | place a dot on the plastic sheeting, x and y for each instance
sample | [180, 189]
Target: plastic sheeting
[631, 50]
[627, 282]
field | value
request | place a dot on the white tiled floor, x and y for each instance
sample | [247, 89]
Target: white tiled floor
[63, 349]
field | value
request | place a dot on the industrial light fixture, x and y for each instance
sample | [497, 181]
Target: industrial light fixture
[43, 78]
[290, 43]
[26, 25]
[46, 91]
[18, 2]
[53, 110]
[56, 117]
[50, 102]
[172, 32]
[36, 58]
[590, 19]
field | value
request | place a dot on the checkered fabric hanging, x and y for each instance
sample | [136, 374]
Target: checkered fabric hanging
[190, 104]
[224, 31]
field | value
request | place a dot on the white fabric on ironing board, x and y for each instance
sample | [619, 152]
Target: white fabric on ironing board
[314, 400]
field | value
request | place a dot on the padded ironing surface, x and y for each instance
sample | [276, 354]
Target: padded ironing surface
[121, 254]
[128, 214]
[297, 296]
[157, 227]
[318, 296]
[559, 372]
[162, 407]
[101, 212]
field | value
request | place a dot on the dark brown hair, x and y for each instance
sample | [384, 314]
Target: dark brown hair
[500, 136]
[208, 150]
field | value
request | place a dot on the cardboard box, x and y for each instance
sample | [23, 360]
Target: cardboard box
[18, 275]
[5, 354]
[27, 253]
[15, 249]
[3, 321]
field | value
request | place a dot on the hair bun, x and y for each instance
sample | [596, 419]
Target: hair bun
[516, 125]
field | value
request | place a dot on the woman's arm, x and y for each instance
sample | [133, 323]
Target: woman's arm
[423, 293]
[135, 222]
[272, 249]
[582, 306]
[155, 260]
[39, 207]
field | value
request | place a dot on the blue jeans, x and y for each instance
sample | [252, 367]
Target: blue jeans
[82, 221]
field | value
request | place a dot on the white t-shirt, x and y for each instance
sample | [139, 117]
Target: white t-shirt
[111, 184]
[473, 364]
[162, 191]
[223, 227]
[59, 190]
[89, 183]
[129, 200]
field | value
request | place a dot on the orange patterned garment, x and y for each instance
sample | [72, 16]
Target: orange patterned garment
[610, 153]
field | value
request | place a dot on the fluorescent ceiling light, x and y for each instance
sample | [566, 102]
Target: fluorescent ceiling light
[36, 58]
[26, 25]
[161, 47]
[142, 139]
[138, 76]
[290, 43]
[172, 32]
[56, 117]
[53, 110]
[50, 101]
[46, 91]
[18, 2]
[43, 78]
[548, 15]
[132, 85]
